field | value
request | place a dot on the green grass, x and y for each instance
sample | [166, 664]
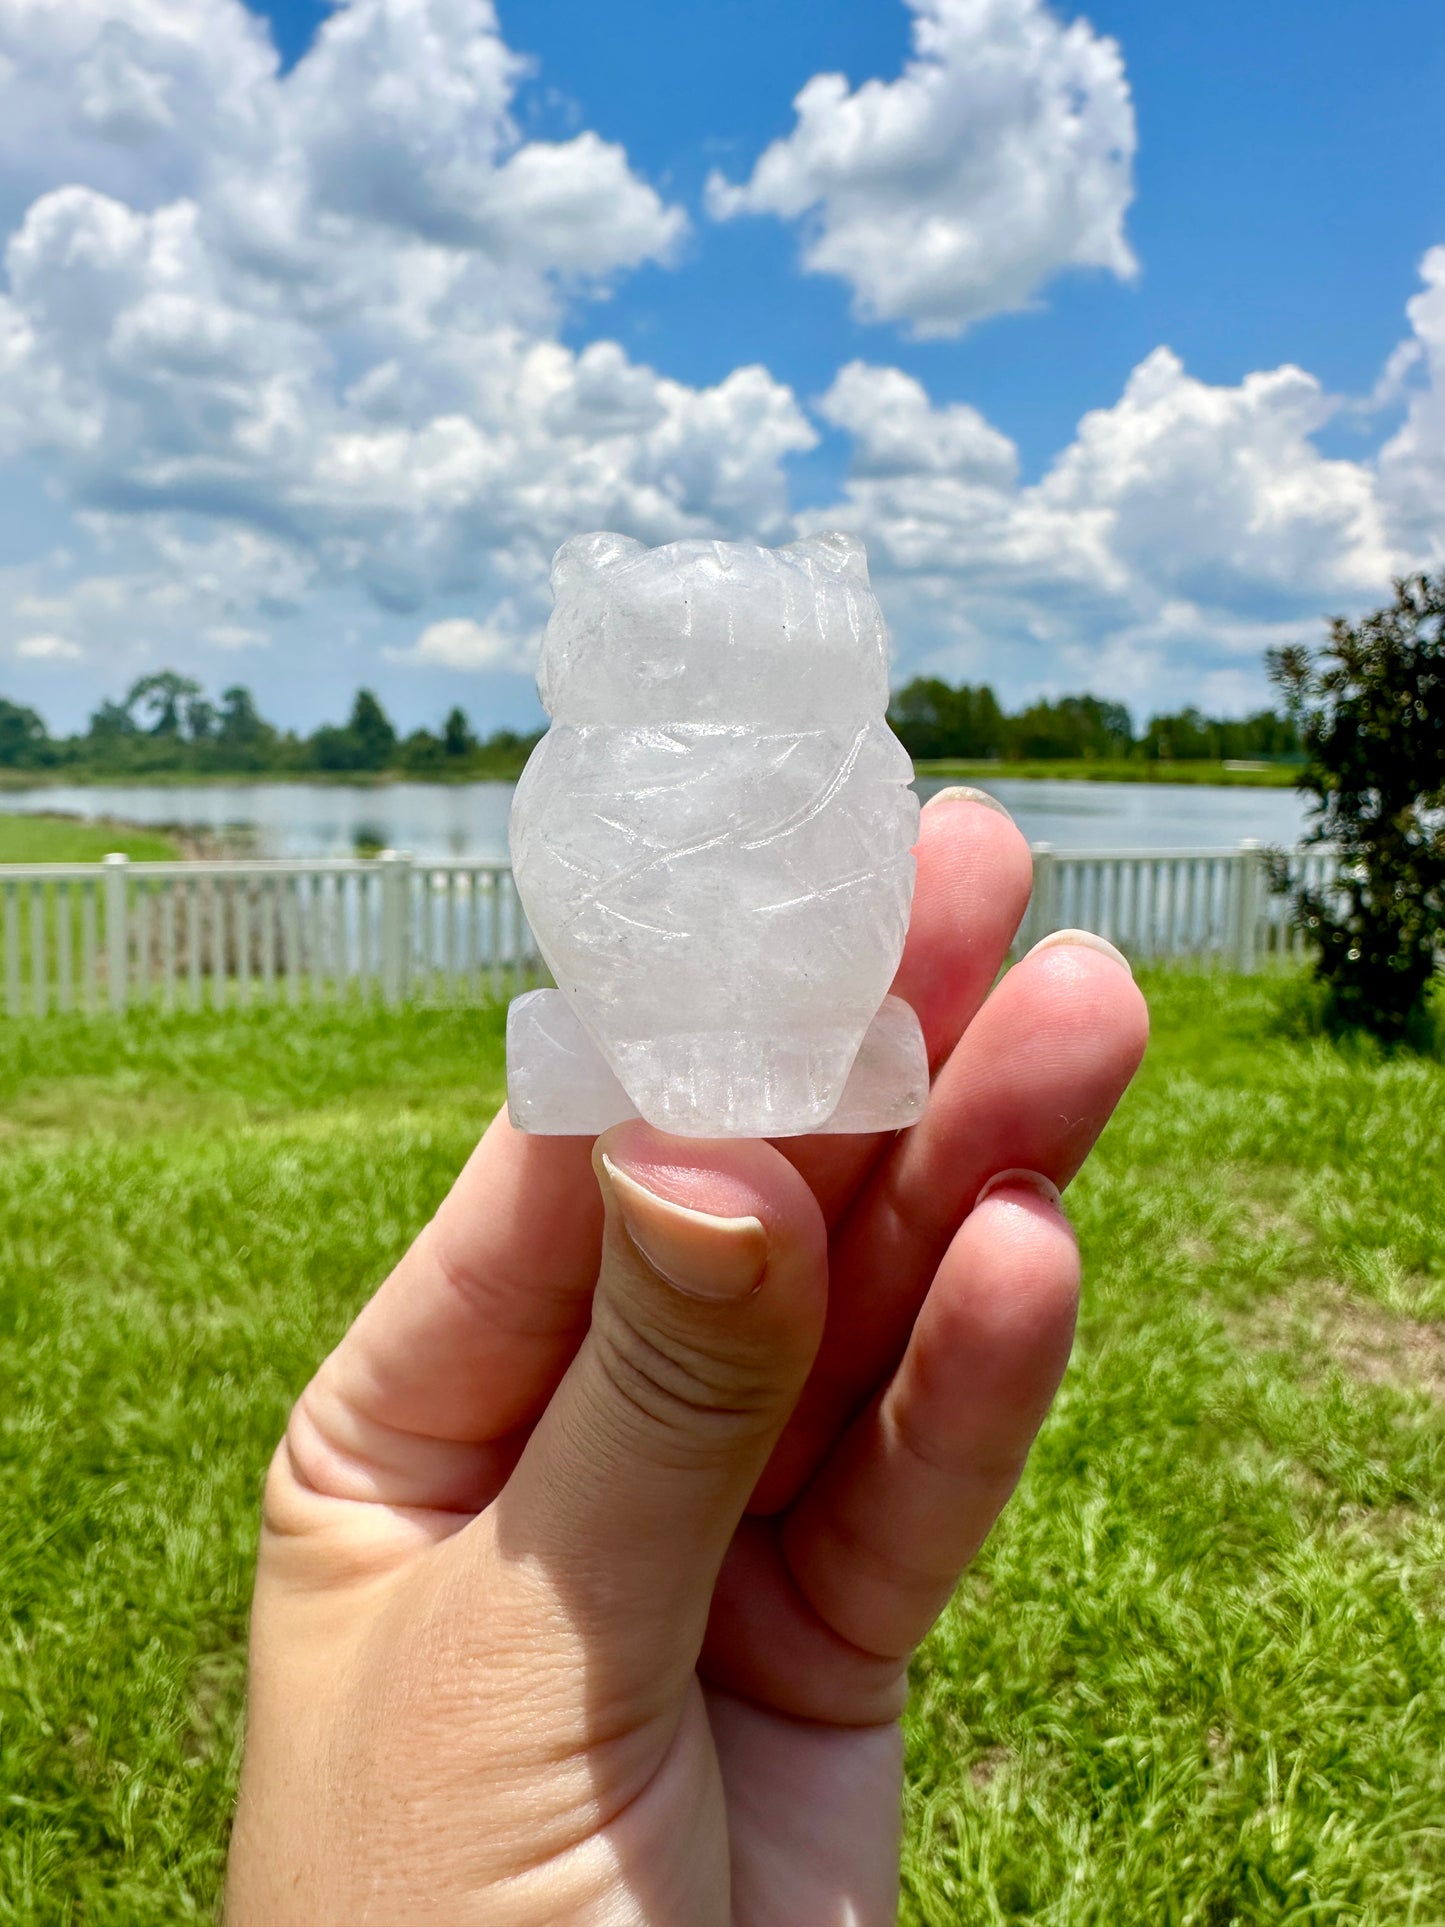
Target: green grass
[1195, 1679]
[1281, 776]
[61, 839]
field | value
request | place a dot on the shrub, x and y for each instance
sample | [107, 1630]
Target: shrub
[1370, 708]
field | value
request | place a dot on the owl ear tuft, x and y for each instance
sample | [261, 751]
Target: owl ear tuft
[839, 554]
[588, 555]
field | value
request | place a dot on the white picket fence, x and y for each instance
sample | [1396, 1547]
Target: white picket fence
[1203, 906]
[110, 935]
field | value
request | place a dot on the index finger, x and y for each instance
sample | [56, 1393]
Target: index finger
[975, 873]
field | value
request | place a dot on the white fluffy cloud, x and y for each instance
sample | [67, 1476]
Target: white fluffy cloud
[896, 430]
[273, 342]
[1182, 532]
[1412, 462]
[318, 308]
[48, 648]
[1001, 156]
[460, 643]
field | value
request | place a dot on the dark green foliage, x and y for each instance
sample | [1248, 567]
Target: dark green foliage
[372, 728]
[932, 719]
[166, 725]
[160, 697]
[1191, 736]
[422, 754]
[1073, 726]
[457, 738]
[936, 722]
[1371, 712]
[23, 740]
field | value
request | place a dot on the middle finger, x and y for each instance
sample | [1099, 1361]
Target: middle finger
[1030, 1086]
[975, 872]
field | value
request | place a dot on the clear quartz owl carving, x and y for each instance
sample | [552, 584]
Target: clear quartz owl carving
[713, 845]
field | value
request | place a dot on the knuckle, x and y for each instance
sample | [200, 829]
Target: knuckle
[676, 1387]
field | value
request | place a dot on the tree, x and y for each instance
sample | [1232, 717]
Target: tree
[1072, 727]
[24, 740]
[932, 719]
[373, 731]
[422, 753]
[110, 723]
[162, 695]
[240, 727]
[1370, 709]
[457, 738]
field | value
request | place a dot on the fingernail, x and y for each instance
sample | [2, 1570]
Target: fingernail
[1086, 940]
[962, 793]
[698, 1254]
[1023, 1181]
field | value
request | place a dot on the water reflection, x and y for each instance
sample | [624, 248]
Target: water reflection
[470, 819]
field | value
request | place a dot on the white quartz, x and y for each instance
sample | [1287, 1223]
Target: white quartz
[560, 1085]
[713, 846]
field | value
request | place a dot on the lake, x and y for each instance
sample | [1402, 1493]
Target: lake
[440, 820]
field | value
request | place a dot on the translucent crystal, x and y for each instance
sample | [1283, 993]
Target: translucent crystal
[560, 1085]
[713, 843]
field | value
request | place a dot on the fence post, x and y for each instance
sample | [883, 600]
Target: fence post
[1040, 919]
[1251, 882]
[395, 925]
[117, 945]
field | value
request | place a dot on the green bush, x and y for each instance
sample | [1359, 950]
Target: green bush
[1370, 708]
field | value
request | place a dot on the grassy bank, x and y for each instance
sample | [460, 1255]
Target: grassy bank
[1121, 770]
[1194, 1680]
[503, 769]
[63, 839]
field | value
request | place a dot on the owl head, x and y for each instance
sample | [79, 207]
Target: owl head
[713, 632]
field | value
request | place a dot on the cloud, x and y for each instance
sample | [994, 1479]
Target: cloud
[48, 648]
[279, 343]
[1001, 157]
[461, 643]
[896, 429]
[1412, 462]
[337, 337]
[1180, 533]
[1220, 493]
[234, 635]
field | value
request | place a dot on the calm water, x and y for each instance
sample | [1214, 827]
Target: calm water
[442, 820]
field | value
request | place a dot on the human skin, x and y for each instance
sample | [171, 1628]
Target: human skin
[594, 1556]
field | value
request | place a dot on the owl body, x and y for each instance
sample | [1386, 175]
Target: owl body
[713, 842]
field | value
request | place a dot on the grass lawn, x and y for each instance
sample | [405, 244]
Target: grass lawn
[1278, 776]
[1197, 1679]
[61, 839]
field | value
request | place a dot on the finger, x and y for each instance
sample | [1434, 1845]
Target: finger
[466, 1340]
[426, 1401]
[706, 1316]
[1030, 1086]
[974, 877]
[901, 1506]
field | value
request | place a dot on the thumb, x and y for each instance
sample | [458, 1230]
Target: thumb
[707, 1315]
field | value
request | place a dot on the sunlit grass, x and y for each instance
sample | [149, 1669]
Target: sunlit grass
[62, 839]
[1196, 1679]
[1120, 769]
[1197, 1676]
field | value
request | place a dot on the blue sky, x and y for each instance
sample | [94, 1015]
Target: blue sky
[1118, 336]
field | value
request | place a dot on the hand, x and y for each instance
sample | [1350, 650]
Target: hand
[588, 1586]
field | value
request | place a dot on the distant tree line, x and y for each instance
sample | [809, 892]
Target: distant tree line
[935, 720]
[166, 723]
